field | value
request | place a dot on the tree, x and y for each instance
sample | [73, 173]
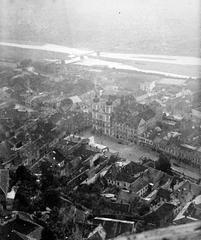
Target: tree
[140, 226]
[164, 164]
[23, 174]
[47, 234]
[143, 208]
[26, 62]
[52, 198]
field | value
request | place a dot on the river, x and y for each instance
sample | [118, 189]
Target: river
[89, 61]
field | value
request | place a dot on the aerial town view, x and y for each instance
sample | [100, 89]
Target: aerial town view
[100, 120]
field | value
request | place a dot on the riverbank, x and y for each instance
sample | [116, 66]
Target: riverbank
[178, 66]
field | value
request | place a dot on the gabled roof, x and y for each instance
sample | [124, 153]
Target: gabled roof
[6, 149]
[119, 207]
[127, 196]
[4, 180]
[114, 227]
[157, 139]
[75, 99]
[163, 143]
[160, 213]
[146, 115]
[40, 142]
[163, 193]
[139, 184]
[128, 173]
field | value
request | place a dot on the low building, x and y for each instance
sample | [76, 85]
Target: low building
[4, 184]
[125, 176]
[162, 216]
[115, 227]
[147, 86]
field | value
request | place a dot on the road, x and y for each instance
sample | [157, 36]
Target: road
[184, 169]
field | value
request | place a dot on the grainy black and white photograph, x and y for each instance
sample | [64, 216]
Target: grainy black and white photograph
[100, 119]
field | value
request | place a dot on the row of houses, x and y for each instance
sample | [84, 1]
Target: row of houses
[171, 145]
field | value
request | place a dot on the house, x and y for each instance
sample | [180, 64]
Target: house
[157, 107]
[190, 213]
[176, 91]
[21, 226]
[150, 180]
[149, 118]
[42, 145]
[156, 178]
[196, 115]
[29, 153]
[77, 102]
[70, 213]
[5, 130]
[162, 216]
[97, 234]
[14, 162]
[11, 197]
[185, 192]
[140, 186]
[122, 177]
[5, 93]
[163, 195]
[115, 227]
[182, 110]
[117, 208]
[4, 184]
[147, 86]
[164, 82]
[140, 95]
[76, 181]
[6, 151]
[126, 197]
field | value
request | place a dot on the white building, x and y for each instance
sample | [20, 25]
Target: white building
[147, 86]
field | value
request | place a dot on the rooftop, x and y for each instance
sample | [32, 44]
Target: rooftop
[128, 173]
[4, 180]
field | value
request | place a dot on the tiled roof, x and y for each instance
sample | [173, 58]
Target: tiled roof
[55, 118]
[160, 213]
[163, 142]
[28, 150]
[119, 207]
[127, 173]
[4, 128]
[126, 195]
[157, 140]
[114, 227]
[56, 155]
[146, 115]
[139, 184]
[163, 193]
[40, 142]
[6, 150]
[4, 180]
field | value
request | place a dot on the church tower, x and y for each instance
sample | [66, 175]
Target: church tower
[108, 113]
[95, 109]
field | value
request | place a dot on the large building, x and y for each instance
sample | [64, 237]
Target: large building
[124, 121]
